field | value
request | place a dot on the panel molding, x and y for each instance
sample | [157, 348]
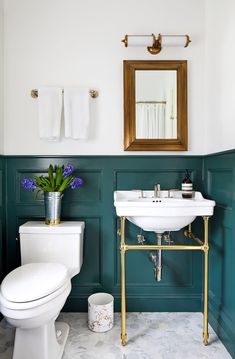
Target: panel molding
[219, 183]
[184, 303]
[156, 286]
[224, 315]
[211, 174]
[94, 202]
[23, 195]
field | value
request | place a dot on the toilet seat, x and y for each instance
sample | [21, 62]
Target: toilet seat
[33, 281]
[42, 282]
[35, 303]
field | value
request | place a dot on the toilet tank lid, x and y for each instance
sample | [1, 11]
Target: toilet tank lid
[33, 281]
[63, 227]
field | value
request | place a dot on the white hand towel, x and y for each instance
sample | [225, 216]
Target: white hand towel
[49, 113]
[76, 112]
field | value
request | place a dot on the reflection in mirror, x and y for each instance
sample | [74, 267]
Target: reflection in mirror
[156, 104]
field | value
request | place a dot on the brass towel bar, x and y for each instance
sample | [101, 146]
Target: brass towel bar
[93, 93]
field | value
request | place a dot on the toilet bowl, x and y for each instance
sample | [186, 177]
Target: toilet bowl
[31, 304]
[32, 296]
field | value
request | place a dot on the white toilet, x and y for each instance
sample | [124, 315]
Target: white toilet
[32, 296]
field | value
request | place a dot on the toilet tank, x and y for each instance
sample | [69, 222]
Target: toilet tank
[61, 243]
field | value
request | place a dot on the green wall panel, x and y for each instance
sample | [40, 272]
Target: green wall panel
[181, 285]
[219, 184]
[180, 288]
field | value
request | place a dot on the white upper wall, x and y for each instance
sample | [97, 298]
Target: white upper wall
[78, 43]
[1, 76]
[220, 75]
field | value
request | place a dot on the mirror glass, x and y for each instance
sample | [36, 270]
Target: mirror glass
[155, 105]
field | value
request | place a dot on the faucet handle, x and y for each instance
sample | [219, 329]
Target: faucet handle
[172, 190]
[140, 192]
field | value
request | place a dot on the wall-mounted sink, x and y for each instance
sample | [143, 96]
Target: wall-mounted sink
[163, 213]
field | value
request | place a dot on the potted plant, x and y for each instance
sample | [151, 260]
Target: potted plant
[52, 186]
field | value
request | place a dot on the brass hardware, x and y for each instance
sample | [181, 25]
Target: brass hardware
[187, 40]
[205, 338]
[148, 247]
[123, 339]
[125, 40]
[93, 93]
[188, 233]
[204, 246]
[156, 46]
[206, 252]
[123, 247]
[52, 222]
[123, 283]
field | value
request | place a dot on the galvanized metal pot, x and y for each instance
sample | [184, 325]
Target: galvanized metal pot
[52, 201]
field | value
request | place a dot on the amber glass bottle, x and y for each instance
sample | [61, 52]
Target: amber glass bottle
[187, 186]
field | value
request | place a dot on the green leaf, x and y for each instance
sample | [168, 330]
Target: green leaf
[59, 176]
[43, 183]
[51, 176]
[37, 194]
[65, 183]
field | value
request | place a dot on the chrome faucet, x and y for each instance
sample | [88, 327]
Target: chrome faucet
[157, 190]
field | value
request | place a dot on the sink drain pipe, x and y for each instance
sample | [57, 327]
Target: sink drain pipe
[156, 258]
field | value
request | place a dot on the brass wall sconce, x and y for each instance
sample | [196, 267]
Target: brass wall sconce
[155, 43]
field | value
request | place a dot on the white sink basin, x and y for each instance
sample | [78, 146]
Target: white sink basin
[161, 214]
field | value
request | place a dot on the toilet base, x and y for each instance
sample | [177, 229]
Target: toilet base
[45, 342]
[62, 330]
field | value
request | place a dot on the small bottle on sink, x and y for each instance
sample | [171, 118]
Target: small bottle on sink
[187, 186]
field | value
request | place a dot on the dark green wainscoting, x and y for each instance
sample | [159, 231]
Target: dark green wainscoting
[2, 211]
[219, 182]
[181, 285]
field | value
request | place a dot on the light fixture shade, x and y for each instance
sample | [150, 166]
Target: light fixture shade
[174, 40]
[139, 40]
[155, 43]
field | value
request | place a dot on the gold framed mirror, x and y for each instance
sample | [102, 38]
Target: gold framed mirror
[155, 105]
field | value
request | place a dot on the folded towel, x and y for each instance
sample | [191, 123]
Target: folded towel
[49, 113]
[76, 112]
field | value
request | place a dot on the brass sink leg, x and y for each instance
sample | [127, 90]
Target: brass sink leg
[123, 282]
[202, 246]
[206, 250]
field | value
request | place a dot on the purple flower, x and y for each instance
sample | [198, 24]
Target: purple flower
[68, 170]
[76, 182]
[28, 183]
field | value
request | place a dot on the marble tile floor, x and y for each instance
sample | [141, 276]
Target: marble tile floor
[149, 335]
